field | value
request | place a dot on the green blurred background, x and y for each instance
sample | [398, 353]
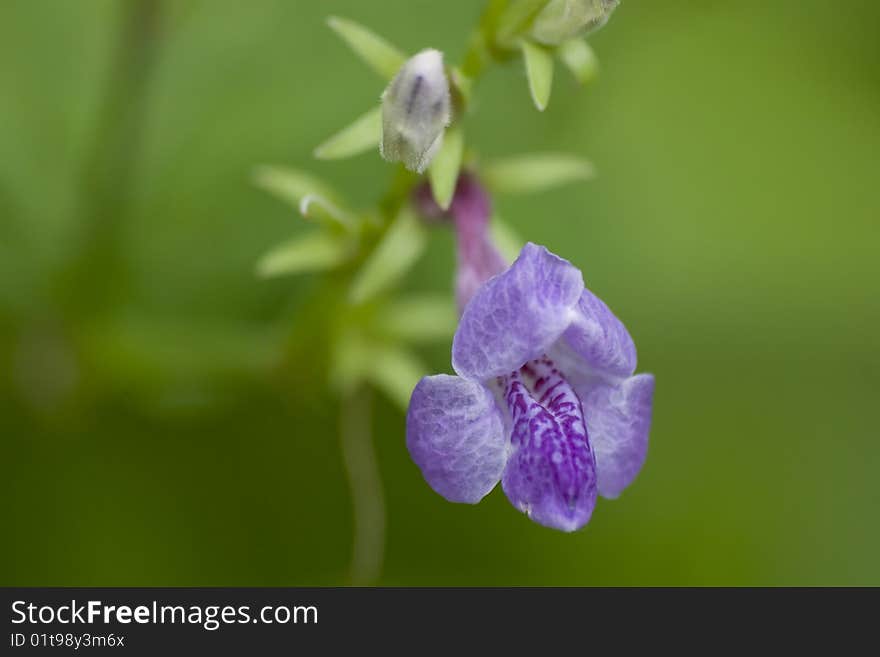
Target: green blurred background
[149, 434]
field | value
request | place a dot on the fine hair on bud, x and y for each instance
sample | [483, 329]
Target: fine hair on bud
[416, 111]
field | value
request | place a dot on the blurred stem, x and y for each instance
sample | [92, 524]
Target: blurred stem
[484, 48]
[358, 453]
[479, 53]
[356, 442]
[98, 271]
[362, 469]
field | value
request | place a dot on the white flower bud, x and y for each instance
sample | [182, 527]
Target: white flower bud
[561, 20]
[416, 111]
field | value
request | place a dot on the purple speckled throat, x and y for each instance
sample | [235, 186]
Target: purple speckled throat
[551, 462]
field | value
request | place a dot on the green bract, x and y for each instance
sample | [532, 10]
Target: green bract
[580, 59]
[396, 252]
[535, 172]
[375, 51]
[443, 172]
[308, 253]
[539, 69]
[360, 136]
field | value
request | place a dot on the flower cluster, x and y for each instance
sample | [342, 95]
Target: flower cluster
[545, 399]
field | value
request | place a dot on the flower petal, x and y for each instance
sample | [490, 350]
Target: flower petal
[551, 473]
[618, 420]
[600, 340]
[517, 315]
[455, 434]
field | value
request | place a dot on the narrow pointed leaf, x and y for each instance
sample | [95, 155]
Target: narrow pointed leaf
[536, 172]
[292, 185]
[395, 371]
[443, 172]
[401, 246]
[539, 70]
[375, 51]
[392, 369]
[321, 210]
[362, 135]
[507, 240]
[317, 251]
[580, 59]
[420, 319]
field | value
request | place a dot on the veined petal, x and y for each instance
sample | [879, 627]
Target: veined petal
[516, 316]
[551, 473]
[618, 420]
[455, 434]
[600, 340]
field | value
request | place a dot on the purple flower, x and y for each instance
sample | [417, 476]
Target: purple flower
[545, 399]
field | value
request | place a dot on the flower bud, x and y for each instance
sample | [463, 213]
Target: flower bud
[416, 111]
[561, 20]
[478, 256]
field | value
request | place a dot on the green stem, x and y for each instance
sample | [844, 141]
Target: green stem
[481, 53]
[98, 273]
[495, 39]
[368, 506]
[358, 453]
[94, 278]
